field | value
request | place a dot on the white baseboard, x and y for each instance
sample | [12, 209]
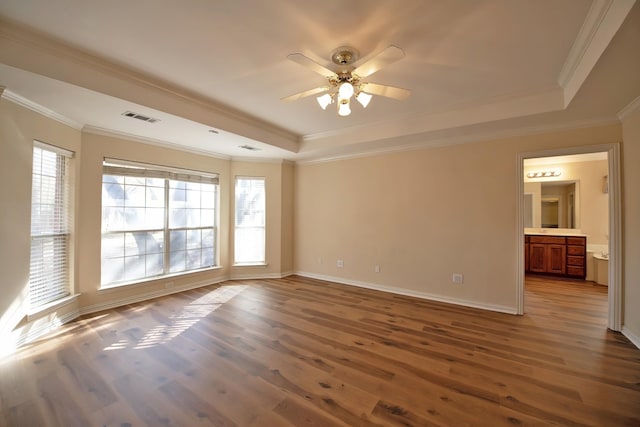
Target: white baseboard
[410, 293]
[634, 338]
[148, 295]
[37, 329]
[259, 276]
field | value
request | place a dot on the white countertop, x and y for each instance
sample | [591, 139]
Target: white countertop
[564, 232]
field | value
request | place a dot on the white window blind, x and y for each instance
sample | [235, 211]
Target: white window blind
[156, 220]
[249, 242]
[50, 225]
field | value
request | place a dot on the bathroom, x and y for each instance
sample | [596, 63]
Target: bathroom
[568, 196]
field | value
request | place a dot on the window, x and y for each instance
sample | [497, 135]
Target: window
[50, 225]
[156, 221]
[250, 221]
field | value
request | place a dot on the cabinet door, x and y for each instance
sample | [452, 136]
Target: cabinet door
[556, 259]
[537, 257]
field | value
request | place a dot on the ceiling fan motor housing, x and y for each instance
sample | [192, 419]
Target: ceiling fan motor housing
[344, 55]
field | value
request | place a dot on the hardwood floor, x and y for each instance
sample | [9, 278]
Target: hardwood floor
[302, 352]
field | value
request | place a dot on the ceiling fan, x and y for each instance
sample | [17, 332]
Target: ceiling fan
[346, 81]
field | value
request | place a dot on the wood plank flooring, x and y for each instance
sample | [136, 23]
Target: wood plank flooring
[303, 352]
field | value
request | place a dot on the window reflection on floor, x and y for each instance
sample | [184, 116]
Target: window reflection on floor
[188, 316]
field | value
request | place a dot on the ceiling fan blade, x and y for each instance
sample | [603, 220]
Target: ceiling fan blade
[388, 56]
[304, 94]
[312, 65]
[384, 90]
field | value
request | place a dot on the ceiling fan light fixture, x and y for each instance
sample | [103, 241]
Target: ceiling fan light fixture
[345, 91]
[343, 107]
[364, 99]
[324, 100]
[345, 80]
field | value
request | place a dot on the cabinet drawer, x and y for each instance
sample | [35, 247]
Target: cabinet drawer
[579, 241]
[575, 261]
[575, 250]
[575, 271]
[548, 240]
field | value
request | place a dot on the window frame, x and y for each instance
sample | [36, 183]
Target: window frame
[136, 170]
[58, 275]
[237, 227]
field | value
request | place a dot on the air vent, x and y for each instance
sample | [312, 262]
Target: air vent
[250, 148]
[140, 117]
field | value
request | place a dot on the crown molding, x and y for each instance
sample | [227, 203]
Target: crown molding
[94, 130]
[600, 26]
[35, 107]
[427, 143]
[258, 160]
[500, 108]
[30, 50]
[631, 108]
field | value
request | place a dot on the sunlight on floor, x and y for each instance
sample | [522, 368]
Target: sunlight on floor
[178, 323]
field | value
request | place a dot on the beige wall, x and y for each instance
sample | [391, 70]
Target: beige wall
[631, 225]
[286, 257]
[19, 127]
[421, 216]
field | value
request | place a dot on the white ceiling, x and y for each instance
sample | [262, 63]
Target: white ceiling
[473, 68]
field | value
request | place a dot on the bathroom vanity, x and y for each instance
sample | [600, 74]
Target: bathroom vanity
[562, 255]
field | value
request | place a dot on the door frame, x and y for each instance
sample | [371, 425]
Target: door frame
[615, 225]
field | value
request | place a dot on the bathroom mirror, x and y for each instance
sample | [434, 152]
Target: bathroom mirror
[552, 204]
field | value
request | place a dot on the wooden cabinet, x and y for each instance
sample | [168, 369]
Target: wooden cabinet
[557, 255]
[577, 256]
[547, 254]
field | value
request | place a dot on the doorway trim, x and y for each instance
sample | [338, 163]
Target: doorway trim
[615, 225]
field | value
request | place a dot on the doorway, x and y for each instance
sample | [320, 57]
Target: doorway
[613, 229]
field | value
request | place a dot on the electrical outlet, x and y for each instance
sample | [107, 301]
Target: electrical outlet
[457, 278]
[340, 263]
[376, 269]
[319, 260]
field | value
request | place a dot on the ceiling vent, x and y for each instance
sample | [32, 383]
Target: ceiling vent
[140, 117]
[250, 148]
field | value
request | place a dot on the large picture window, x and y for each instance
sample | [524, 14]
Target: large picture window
[156, 221]
[249, 242]
[50, 225]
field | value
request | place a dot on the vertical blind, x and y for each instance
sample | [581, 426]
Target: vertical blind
[50, 225]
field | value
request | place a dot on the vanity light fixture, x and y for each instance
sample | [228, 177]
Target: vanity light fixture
[544, 174]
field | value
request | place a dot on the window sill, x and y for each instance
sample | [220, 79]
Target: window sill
[50, 307]
[152, 280]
